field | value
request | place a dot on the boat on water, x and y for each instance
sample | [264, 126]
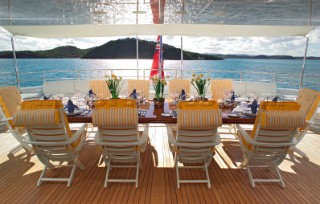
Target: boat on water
[90, 18]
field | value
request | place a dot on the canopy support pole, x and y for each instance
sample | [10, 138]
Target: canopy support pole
[137, 51]
[181, 64]
[15, 63]
[304, 63]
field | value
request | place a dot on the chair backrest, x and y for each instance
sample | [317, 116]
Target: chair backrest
[219, 87]
[197, 132]
[47, 122]
[309, 100]
[117, 122]
[276, 123]
[176, 85]
[139, 85]
[10, 100]
[100, 88]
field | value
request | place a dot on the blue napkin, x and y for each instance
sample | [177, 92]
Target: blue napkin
[254, 106]
[183, 95]
[70, 106]
[134, 94]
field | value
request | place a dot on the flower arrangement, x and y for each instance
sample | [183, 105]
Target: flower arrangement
[114, 84]
[158, 85]
[201, 84]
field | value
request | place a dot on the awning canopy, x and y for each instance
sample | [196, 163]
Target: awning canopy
[198, 30]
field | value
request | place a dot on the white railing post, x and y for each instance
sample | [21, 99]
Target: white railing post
[15, 63]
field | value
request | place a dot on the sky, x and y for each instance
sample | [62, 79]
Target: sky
[294, 46]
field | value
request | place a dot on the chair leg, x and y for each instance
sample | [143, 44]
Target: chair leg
[300, 152]
[207, 174]
[177, 172]
[137, 174]
[280, 177]
[73, 171]
[42, 173]
[250, 177]
[107, 175]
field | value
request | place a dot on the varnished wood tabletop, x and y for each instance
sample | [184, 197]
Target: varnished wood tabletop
[153, 115]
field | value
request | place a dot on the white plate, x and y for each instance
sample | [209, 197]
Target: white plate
[233, 115]
[166, 114]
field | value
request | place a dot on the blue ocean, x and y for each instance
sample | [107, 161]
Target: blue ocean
[285, 73]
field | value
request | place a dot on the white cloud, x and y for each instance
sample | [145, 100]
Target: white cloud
[230, 45]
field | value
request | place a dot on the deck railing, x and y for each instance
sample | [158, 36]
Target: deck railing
[283, 80]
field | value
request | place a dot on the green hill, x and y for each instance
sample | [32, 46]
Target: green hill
[126, 49]
[58, 52]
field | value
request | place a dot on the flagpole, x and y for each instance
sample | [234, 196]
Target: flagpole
[160, 58]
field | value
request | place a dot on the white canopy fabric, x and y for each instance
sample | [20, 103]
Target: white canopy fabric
[198, 30]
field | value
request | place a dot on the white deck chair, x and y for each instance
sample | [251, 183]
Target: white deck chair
[310, 102]
[219, 87]
[196, 136]
[176, 86]
[100, 88]
[118, 134]
[50, 136]
[10, 100]
[274, 132]
[140, 86]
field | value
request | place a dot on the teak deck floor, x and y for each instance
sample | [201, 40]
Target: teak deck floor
[157, 182]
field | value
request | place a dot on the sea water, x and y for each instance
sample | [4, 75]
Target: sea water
[285, 72]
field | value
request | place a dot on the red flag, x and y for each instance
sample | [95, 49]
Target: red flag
[157, 60]
[157, 64]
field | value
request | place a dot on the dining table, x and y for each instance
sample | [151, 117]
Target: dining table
[149, 113]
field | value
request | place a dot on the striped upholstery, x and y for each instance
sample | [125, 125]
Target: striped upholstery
[219, 86]
[282, 119]
[199, 119]
[270, 105]
[10, 100]
[113, 117]
[40, 117]
[309, 101]
[100, 88]
[42, 105]
[176, 85]
[199, 115]
[279, 115]
[139, 85]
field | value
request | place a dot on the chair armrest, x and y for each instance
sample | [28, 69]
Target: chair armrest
[77, 134]
[171, 138]
[251, 141]
[6, 119]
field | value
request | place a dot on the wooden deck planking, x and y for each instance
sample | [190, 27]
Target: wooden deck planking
[157, 184]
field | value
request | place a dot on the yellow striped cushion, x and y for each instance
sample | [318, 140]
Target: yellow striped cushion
[309, 100]
[187, 105]
[176, 85]
[35, 107]
[116, 103]
[41, 104]
[282, 119]
[199, 119]
[39, 117]
[219, 86]
[270, 105]
[139, 85]
[115, 117]
[100, 88]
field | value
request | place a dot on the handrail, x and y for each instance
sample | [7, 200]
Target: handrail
[285, 80]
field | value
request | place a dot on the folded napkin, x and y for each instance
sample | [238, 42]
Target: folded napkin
[134, 94]
[70, 106]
